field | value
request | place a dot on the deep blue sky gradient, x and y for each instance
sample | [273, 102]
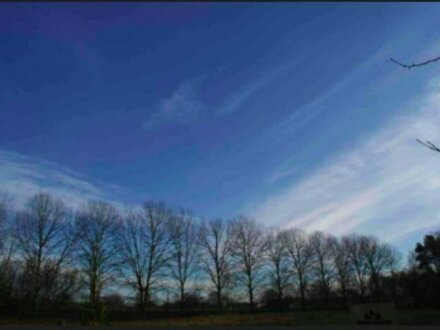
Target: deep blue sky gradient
[79, 83]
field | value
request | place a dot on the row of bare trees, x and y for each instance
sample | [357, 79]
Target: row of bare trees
[49, 253]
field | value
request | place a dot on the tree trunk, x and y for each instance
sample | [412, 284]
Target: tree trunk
[251, 298]
[326, 294]
[302, 292]
[142, 304]
[219, 299]
[182, 298]
[362, 288]
[376, 284]
[280, 298]
[344, 296]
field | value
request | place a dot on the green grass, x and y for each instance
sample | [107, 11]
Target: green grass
[234, 319]
[419, 317]
[414, 317]
[403, 317]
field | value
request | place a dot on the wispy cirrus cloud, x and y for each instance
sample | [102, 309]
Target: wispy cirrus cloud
[185, 104]
[22, 176]
[282, 173]
[386, 184]
[236, 100]
[181, 107]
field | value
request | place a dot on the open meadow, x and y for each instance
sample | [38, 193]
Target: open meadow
[231, 320]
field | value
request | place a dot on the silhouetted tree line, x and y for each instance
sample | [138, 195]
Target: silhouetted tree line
[99, 259]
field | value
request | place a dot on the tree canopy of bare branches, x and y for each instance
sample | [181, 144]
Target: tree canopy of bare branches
[343, 267]
[276, 255]
[143, 248]
[5, 223]
[45, 239]
[300, 254]
[321, 246]
[248, 251]
[379, 258]
[96, 224]
[53, 252]
[356, 247]
[184, 261]
[216, 242]
[6, 244]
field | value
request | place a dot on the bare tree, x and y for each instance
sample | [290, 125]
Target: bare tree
[96, 224]
[3, 218]
[143, 248]
[356, 246]
[379, 258]
[184, 261]
[321, 246]
[343, 267]
[276, 254]
[6, 245]
[248, 251]
[298, 247]
[45, 239]
[215, 240]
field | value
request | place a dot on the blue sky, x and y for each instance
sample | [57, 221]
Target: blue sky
[288, 112]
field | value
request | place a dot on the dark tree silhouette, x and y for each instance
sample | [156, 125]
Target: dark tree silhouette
[216, 241]
[45, 240]
[298, 247]
[47, 255]
[278, 271]
[143, 243]
[428, 253]
[185, 256]
[323, 268]
[96, 224]
[248, 246]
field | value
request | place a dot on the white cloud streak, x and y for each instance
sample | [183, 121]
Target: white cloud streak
[182, 107]
[22, 176]
[386, 184]
[282, 173]
[185, 105]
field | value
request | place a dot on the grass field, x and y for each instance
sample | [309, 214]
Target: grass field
[309, 318]
[285, 318]
[424, 317]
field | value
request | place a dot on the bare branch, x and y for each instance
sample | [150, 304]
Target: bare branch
[216, 242]
[409, 66]
[143, 249]
[298, 247]
[96, 224]
[248, 246]
[429, 145]
[184, 250]
[276, 256]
